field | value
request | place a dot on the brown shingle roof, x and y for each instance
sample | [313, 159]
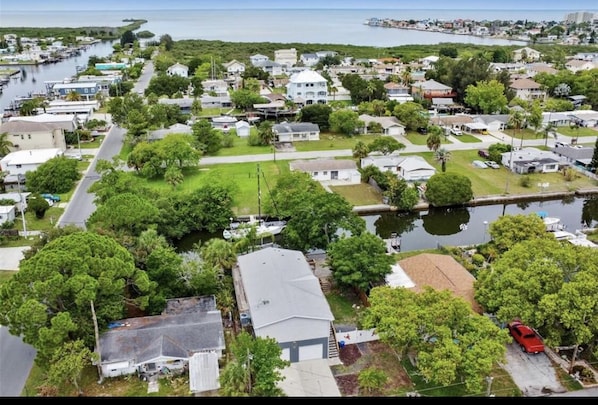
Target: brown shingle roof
[441, 272]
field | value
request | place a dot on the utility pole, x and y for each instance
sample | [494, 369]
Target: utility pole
[97, 336]
[489, 386]
[22, 205]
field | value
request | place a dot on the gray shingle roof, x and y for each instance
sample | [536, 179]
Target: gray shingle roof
[289, 128]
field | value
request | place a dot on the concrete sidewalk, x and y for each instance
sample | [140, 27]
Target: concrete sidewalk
[10, 257]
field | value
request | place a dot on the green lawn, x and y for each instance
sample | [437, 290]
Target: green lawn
[329, 141]
[578, 132]
[359, 194]
[468, 138]
[497, 181]
[419, 139]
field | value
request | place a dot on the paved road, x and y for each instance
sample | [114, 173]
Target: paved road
[16, 360]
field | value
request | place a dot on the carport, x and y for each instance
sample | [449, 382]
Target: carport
[475, 127]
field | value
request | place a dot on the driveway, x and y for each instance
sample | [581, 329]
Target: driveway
[534, 374]
[10, 257]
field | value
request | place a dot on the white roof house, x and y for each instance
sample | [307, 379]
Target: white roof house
[415, 168]
[178, 69]
[307, 87]
[7, 213]
[337, 171]
[22, 161]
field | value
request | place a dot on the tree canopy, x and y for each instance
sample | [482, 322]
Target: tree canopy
[446, 189]
[48, 300]
[452, 343]
[57, 175]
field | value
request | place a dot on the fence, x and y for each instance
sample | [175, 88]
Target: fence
[356, 336]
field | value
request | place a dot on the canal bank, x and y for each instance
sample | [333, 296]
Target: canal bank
[485, 200]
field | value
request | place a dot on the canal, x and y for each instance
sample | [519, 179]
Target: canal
[457, 226]
[33, 77]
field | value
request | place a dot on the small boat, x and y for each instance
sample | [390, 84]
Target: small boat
[553, 224]
[263, 229]
[239, 230]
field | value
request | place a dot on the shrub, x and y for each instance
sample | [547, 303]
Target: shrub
[478, 259]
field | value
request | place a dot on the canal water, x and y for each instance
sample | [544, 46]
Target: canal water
[32, 78]
[457, 226]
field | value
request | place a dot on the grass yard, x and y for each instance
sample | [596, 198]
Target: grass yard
[46, 223]
[419, 139]
[494, 181]
[577, 132]
[329, 141]
[359, 194]
[468, 138]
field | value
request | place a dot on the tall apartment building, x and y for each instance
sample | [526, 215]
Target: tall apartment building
[581, 16]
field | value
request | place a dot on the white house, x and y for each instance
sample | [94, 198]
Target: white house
[309, 59]
[234, 68]
[37, 133]
[8, 214]
[390, 125]
[531, 160]
[526, 54]
[243, 128]
[178, 69]
[415, 168]
[217, 86]
[224, 123]
[257, 59]
[341, 171]
[22, 161]
[384, 163]
[307, 87]
[296, 131]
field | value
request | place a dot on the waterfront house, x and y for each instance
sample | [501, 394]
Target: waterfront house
[307, 87]
[208, 101]
[526, 54]
[531, 160]
[575, 155]
[39, 131]
[415, 168]
[178, 69]
[168, 343]
[441, 272]
[390, 125]
[296, 132]
[280, 297]
[331, 171]
[86, 90]
[111, 66]
[224, 123]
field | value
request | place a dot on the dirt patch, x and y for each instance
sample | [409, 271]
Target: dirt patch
[370, 355]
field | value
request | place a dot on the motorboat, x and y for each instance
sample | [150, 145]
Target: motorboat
[239, 230]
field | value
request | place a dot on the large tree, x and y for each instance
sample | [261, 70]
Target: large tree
[508, 230]
[57, 175]
[344, 121]
[411, 114]
[447, 189]
[486, 96]
[451, 342]
[359, 261]
[385, 145]
[48, 300]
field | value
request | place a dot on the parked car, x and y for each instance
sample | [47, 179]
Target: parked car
[422, 130]
[492, 164]
[483, 153]
[479, 164]
[456, 131]
[526, 337]
[51, 197]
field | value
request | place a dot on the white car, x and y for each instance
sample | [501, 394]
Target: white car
[479, 164]
[492, 164]
[456, 131]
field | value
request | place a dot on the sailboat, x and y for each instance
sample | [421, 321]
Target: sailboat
[239, 230]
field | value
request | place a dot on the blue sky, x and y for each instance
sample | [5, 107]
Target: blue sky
[571, 5]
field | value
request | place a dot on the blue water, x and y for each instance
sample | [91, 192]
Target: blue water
[281, 25]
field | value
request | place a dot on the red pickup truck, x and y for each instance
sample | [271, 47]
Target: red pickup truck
[526, 337]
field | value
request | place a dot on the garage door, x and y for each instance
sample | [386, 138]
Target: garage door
[310, 352]
[286, 354]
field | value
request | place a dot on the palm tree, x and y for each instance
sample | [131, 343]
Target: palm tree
[547, 130]
[516, 120]
[442, 155]
[360, 151]
[434, 140]
[5, 144]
